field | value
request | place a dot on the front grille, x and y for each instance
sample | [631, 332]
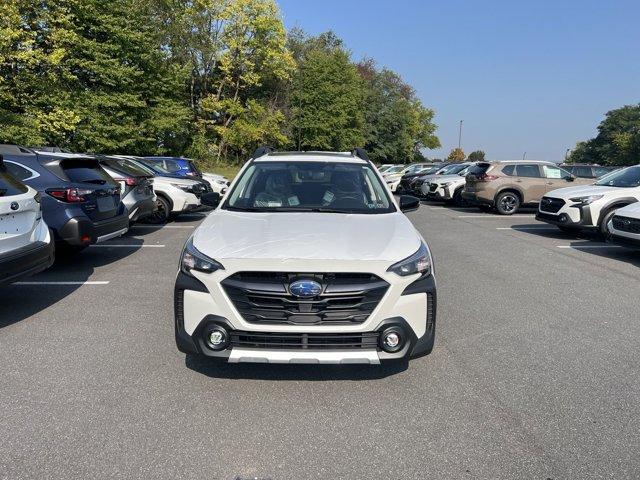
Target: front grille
[550, 204]
[305, 341]
[547, 216]
[626, 224]
[264, 297]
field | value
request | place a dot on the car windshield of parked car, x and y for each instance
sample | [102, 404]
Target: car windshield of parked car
[154, 166]
[309, 186]
[626, 178]
[453, 169]
[396, 169]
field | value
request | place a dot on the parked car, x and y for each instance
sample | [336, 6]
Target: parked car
[407, 179]
[383, 168]
[186, 167]
[624, 226]
[26, 246]
[267, 277]
[393, 179]
[591, 207]
[174, 194]
[81, 203]
[136, 186]
[447, 171]
[447, 187]
[583, 170]
[416, 183]
[509, 185]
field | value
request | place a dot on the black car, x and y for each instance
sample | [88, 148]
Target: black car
[136, 186]
[81, 203]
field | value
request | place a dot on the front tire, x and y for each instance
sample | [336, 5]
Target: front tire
[458, 201]
[604, 220]
[161, 215]
[507, 203]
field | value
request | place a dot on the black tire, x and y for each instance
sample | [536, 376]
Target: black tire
[458, 201]
[604, 219]
[507, 203]
[162, 214]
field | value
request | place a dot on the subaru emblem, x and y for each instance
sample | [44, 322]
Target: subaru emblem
[14, 206]
[305, 288]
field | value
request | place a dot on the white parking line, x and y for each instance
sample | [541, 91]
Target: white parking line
[527, 228]
[580, 247]
[505, 217]
[161, 226]
[62, 283]
[106, 245]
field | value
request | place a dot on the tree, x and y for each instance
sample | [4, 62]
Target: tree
[397, 125]
[327, 101]
[87, 75]
[617, 142]
[477, 156]
[456, 155]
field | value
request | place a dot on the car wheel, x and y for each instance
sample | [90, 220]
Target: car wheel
[458, 201]
[604, 219]
[507, 203]
[161, 215]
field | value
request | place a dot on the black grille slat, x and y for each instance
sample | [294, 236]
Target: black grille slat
[626, 224]
[263, 297]
[305, 341]
[552, 205]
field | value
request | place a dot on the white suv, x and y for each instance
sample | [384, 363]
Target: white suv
[308, 260]
[591, 206]
[624, 226]
[26, 246]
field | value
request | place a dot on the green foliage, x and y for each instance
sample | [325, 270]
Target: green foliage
[617, 142]
[327, 98]
[213, 79]
[397, 125]
[456, 155]
[476, 156]
[86, 75]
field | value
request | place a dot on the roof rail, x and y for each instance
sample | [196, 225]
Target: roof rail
[9, 149]
[360, 153]
[261, 151]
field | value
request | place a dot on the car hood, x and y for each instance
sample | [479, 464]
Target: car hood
[632, 211]
[175, 181]
[582, 191]
[446, 178]
[307, 236]
[214, 176]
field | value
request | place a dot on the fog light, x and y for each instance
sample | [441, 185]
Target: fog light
[392, 340]
[217, 337]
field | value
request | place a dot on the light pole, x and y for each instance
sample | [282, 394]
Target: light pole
[566, 155]
[460, 135]
[524, 155]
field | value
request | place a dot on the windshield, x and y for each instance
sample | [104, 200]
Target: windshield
[396, 169]
[625, 178]
[453, 169]
[430, 170]
[309, 186]
[153, 166]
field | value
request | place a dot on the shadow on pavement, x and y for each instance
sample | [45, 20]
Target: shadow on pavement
[18, 302]
[312, 373]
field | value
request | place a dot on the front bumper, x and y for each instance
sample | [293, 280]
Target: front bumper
[26, 261]
[578, 217]
[624, 239]
[196, 309]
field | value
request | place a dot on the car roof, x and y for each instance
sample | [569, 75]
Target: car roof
[338, 157]
[542, 162]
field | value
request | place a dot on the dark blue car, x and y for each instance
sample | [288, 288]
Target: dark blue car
[183, 167]
[80, 202]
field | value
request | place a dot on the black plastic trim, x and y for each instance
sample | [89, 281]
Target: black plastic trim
[26, 261]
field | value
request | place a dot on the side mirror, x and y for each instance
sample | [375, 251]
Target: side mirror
[570, 178]
[409, 203]
[210, 199]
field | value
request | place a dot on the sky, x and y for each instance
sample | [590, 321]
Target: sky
[526, 77]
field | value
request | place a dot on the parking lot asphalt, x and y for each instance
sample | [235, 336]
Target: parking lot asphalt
[535, 373]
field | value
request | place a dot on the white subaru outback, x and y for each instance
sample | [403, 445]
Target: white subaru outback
[307, 260]
[590, 207]
[26, 246]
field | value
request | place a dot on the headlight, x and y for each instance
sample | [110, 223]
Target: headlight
[419, 262]
[186, 188]
[192, 259]
[586, 200]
